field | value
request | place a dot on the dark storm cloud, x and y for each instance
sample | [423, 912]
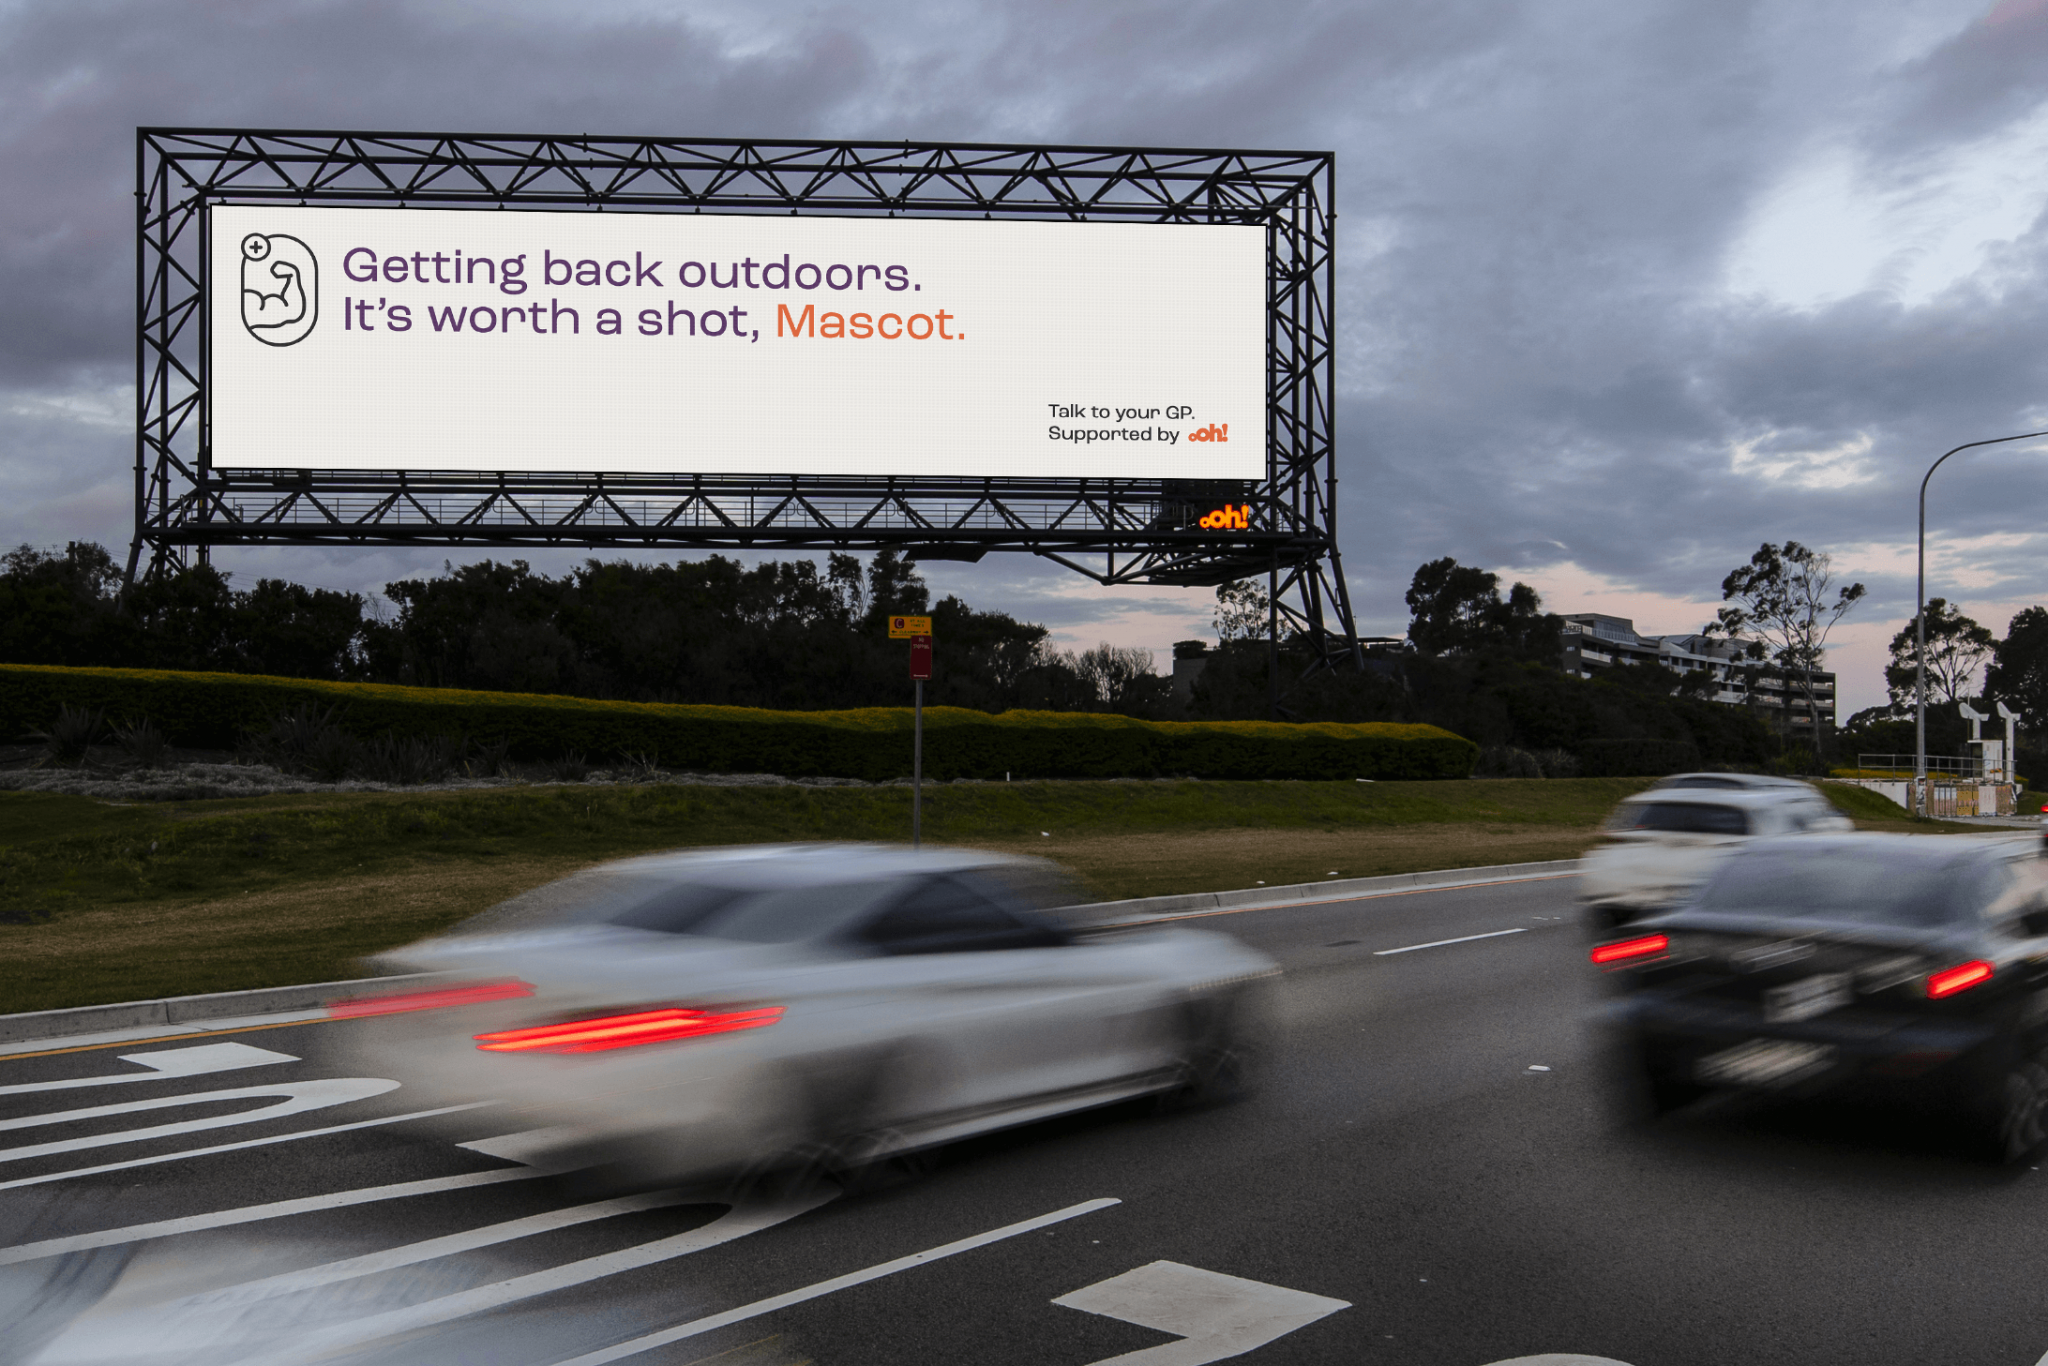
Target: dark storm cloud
[1540, 357]
[76, 79]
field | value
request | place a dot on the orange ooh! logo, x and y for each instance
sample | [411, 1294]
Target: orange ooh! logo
[1227, 518]
[1212, 432]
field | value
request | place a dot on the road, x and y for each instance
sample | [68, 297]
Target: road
[1431, 1175]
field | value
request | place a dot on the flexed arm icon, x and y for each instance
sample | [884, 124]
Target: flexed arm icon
[280, 288]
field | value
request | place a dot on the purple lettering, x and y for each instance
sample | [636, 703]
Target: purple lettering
[674, 313]
[626, 266]
[548, 262]
[816, 276]
[861, 282]
[847, 271]
[683, 275]
[783, 266]
[644, 274]
[899, 278]
[555, 312]
[348, 265]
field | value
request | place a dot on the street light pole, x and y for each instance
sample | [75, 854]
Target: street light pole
[1920, 629]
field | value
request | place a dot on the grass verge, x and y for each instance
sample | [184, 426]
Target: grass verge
[102, 902]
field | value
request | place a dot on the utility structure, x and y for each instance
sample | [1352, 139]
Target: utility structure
[1281, 527]
[1920, 623]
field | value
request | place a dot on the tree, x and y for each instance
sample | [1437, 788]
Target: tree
[1780, 598]
[1956, 646]
[2018, 675]
[1242, 612]
[1456, 609]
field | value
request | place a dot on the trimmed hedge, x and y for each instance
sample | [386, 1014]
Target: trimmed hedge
[210, 710]
[1636, 758]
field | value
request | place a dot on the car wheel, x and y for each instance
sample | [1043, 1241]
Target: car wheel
[2014, 1115]
[1219, 1057]
[1648, 1082]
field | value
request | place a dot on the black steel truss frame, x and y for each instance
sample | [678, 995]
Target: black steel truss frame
[1113, 530]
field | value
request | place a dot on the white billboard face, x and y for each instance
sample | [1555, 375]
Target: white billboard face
[720, 344]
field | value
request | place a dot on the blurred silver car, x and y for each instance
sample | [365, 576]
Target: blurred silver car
[1661, 844]
[708, 1015]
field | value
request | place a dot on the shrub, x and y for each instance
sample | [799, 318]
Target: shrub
[143, 743]
[409, 760]
[1637, 758]
[209, 710]
[1505, 761]
[70, 737]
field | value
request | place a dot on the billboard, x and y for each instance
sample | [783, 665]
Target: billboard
[666, 343]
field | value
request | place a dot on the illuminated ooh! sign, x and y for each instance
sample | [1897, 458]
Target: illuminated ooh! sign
[446, 339]
[1227, 518]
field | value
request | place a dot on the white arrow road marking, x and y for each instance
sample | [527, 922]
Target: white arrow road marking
[1217, 1316]
[167, 1063]
[1439, 943]
[236, 1147]
[297, 1098]
[253, 1214]
[713, 1322]
[736, 1223]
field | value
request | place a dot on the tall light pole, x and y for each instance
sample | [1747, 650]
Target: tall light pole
[1920, 629]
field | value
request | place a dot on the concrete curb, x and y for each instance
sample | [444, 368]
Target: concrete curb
[1146, 909]
[174, 1011]
[179, 1014]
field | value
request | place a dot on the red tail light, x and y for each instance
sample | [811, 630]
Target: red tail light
[626, 1031]
[439, 998]
[1961, 977]
[1631, 948]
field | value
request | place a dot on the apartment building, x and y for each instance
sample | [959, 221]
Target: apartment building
[1594, 642]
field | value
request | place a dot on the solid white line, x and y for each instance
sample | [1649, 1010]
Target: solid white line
[1439, 943]
[251, 1214]
[696, 1327]
[411, 1254]
[236, 1147]
[735, 1223]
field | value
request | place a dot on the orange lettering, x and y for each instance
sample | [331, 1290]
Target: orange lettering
[799, 326]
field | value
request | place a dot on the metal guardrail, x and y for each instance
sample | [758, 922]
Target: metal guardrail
[1906, 765]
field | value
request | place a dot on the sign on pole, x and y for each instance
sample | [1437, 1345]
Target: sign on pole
[921, 657]
[909, 628]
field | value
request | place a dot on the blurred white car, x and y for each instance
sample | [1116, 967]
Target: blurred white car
[703, 1016]
[1733, 782]
[1661, 844]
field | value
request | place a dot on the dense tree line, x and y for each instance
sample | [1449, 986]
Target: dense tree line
[775, 634]
[1486, 666]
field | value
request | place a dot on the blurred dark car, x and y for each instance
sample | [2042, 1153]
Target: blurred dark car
[1903, 967]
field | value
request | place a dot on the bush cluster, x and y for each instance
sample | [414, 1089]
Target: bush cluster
[317, 727]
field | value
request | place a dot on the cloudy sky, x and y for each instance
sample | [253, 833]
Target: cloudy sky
[1625, 287]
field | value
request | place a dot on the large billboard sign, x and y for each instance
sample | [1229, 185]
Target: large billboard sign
[667, 343]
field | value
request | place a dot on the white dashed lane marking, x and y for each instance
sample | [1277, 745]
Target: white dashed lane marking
[1439, 943]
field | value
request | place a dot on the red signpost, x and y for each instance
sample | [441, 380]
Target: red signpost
[918, 630]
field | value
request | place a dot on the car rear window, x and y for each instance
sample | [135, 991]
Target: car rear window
[1691, 818]
[669, 905]
[1858, 885]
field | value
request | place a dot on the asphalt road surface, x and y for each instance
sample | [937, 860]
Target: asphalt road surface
[1431, 1174]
